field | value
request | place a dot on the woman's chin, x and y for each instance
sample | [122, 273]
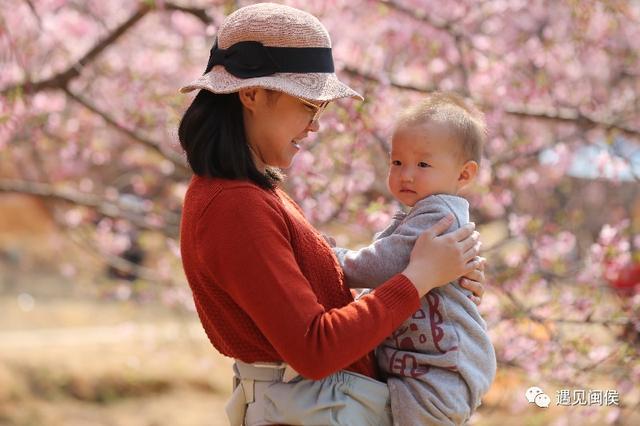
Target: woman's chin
[284, 164]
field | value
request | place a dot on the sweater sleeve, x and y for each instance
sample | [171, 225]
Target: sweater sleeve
[371, 266]
[244, 244]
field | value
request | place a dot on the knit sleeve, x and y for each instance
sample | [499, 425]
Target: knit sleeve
[245, 246]
[388, 255]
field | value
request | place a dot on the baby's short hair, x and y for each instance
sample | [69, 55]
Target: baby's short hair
[464, 119]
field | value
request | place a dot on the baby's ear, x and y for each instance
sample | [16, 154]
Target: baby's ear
[468, 173]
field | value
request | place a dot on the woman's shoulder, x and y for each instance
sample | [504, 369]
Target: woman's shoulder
[227, 193]
[213, 186]
[232, 207]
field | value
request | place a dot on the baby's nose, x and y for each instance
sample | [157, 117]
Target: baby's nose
[407, 175]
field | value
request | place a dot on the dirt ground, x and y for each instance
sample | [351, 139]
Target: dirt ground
[127, 373]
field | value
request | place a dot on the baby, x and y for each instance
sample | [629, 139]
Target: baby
[440, 362]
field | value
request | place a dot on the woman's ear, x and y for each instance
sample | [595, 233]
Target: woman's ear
[249, 97]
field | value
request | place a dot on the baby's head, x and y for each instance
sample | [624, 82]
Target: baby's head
[435, 148]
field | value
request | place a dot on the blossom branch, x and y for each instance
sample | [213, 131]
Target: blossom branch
[422, 16]
[555, 115]
[199, 13]
[61, 80]
[169, 225]
[172, 156]
[117, 261]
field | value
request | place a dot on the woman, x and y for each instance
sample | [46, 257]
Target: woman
[266, 285]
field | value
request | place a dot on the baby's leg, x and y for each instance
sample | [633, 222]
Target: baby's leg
[438, 398]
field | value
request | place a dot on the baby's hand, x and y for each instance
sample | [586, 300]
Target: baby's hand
[329, 240]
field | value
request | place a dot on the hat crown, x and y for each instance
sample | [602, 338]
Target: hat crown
[273, 25]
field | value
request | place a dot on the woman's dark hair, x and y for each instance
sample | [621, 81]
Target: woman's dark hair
[212, 135]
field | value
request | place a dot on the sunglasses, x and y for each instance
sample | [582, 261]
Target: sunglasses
[318, 109]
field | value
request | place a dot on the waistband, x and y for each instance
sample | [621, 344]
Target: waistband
[244, 377]
[264, 371]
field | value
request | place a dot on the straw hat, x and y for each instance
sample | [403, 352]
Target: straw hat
[275, 47]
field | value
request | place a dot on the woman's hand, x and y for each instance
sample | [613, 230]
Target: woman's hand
[437, 259]
[474, 281]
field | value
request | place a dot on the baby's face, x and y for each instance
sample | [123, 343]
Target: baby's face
[424, 161]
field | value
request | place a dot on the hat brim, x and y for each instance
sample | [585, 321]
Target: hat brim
[312, 86]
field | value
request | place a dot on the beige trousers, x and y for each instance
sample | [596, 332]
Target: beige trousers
[261, 397]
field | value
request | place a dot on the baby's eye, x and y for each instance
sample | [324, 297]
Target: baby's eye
[423, 164]
[396, 162]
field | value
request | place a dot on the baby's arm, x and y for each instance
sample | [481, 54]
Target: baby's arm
[389, 255]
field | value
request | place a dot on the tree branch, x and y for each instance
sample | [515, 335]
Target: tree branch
[354, 72]
[171, 155]
[460, 39]
[61, 80]
[424, 17]
[117, 261]
[104, 207]
[568, 115]
[201, 14]
[460, 44]
[557, 115]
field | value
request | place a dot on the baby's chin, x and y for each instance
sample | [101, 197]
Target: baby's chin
[410, 201]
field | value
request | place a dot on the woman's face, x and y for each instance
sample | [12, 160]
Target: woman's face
[275, 123]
